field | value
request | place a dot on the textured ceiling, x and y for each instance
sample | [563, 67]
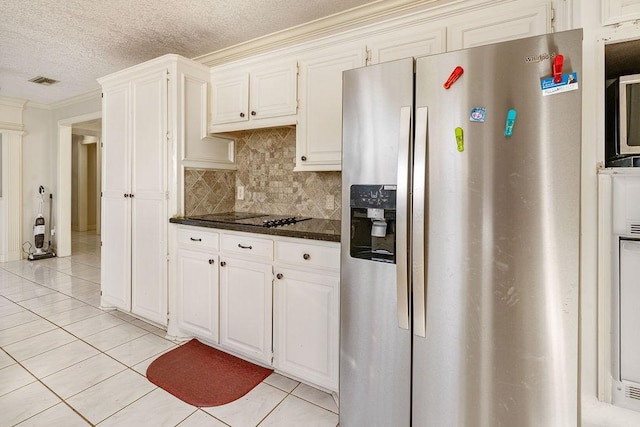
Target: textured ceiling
[77, 41]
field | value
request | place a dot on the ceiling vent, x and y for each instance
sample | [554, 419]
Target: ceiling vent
[43, 81]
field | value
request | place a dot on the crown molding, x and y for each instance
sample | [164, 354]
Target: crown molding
[77, 99]
[66, 102]
[326, 26]
[6, 101]
[352, 19]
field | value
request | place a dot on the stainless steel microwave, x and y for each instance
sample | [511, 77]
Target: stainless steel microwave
[629, 114]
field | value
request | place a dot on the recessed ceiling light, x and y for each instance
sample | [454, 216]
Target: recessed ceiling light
[43, 81]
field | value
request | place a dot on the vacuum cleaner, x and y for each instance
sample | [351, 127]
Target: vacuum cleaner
[39, 231]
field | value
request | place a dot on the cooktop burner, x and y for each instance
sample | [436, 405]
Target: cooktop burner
[247, 218]
[272, 220]
[227, 216]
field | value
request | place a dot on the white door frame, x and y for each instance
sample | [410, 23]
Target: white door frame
[63, 205]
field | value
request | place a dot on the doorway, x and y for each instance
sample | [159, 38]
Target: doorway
[78, 137]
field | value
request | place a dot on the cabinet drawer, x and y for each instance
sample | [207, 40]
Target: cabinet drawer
[253, 247]
[198, 238]
[308, 255]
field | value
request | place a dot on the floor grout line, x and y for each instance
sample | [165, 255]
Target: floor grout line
[49, 274]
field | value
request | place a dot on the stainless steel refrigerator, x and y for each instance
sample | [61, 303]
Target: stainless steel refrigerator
[460, 238]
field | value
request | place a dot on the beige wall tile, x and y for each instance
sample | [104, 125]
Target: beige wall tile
[265, 161]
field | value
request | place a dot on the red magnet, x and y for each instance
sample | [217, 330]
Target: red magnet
[558, 62]
[455, 75]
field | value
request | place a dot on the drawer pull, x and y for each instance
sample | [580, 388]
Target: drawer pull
[193, 239]
[279, 276]
[222, 263]
[241, 246]
[306, 256]
[211, 261]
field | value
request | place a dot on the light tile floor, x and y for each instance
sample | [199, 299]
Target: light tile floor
[64, 362]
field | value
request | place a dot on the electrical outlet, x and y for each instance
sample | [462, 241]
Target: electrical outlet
[330, 202]
[240, 192]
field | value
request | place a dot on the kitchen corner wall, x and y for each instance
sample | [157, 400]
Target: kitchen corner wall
[265, 161]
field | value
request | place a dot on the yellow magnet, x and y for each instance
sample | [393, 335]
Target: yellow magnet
[460, 139]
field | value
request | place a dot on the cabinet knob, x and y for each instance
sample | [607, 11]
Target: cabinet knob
[126, 195]
[303, 158]
[279, 276]
[241, 114]
[306, 256]
[253, 113]
[211, 261]
[222, 263]
[131, 195]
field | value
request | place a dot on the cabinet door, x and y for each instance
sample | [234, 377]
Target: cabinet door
[408, 42]
[149, 197]
[616, 11]
[306, 324]
[116, 209]
[229, 97]
[499, 23]
[246, 308]
[200, 150]
[319, 129]
[198, 293]
[273, 91]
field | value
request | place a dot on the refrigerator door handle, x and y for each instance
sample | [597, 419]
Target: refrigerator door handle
[419, 249]
[402, 220]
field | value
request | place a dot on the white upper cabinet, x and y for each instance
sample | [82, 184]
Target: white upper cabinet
[319, 130]
[253, 96]
[229, 97]
[199, 149]
[273, 91]
[616, 11]
[407, 42]
[498, 24]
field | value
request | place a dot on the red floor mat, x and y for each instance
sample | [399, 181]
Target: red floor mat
[203, 376]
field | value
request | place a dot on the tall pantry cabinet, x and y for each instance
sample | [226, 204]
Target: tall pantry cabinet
[144, 130]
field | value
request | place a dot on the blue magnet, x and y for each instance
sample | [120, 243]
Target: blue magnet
[511, 119]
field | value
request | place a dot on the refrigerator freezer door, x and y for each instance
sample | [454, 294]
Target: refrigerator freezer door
[501, 345]
[375, 353]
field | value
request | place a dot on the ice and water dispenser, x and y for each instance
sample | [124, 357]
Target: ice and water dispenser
[373, 222]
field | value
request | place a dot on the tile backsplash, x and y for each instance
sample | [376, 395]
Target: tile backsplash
[265, 159]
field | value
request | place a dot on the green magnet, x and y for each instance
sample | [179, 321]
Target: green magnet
[460, 139]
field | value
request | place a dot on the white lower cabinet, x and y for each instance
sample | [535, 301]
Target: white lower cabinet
[273, 300]
[197, 283]
[246, 307]
[306, 325]
[198, 293]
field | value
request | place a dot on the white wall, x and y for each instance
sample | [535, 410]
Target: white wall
[37, 148]
[40, 158]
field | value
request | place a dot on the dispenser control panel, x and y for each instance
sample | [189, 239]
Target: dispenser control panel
[373, 222]
[373, 196]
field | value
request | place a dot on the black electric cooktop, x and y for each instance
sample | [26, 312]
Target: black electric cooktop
[248, 218]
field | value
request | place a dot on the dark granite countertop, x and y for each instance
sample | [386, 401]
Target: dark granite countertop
[313, 229]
